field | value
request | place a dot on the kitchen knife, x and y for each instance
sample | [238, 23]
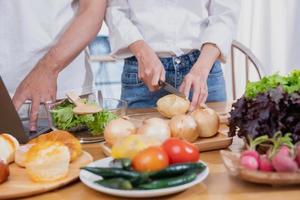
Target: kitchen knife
[168, 87]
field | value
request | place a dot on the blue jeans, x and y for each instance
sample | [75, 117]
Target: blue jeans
[136, 93]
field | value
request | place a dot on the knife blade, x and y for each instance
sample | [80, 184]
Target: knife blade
[168, 87]
[100, 98]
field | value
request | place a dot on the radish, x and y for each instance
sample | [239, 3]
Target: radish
[284, 150]
[252, 153]
[298, 155]
[284, 163]
[265, 164]
[249, 162]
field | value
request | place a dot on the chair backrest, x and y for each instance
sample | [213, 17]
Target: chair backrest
[250, 60]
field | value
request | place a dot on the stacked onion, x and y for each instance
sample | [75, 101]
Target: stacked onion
[202, 122]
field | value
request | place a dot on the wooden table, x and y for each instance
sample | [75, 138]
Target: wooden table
[218, 185]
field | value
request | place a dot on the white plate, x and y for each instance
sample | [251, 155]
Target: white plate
[88, 179]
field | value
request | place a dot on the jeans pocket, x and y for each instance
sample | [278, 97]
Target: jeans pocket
[216, 70]
[216, 84]
[130, 74]
[130, 79]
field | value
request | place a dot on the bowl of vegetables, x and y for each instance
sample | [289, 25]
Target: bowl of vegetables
[86, 127]
[280, 165]
[157, 170]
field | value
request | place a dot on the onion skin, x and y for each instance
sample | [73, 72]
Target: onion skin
[171, 105]
[117, 129]
[184, 127]
[207, 120]
[154, 120]
[155, 128]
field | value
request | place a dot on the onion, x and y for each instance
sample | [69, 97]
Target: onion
[155, 128]
[184, 127]
[171, 105]
[207, 120]
[118, 128]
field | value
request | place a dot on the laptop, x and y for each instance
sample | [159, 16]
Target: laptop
[10, 121]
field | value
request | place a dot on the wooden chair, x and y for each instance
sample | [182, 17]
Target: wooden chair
[250, 61]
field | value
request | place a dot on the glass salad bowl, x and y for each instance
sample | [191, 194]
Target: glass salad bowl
[88, 128]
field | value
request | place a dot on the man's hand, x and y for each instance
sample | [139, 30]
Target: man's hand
[150, 69]
[39, 86]
[196, 79]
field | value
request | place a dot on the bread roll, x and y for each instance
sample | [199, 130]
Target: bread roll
[47, 161]
[20, 154]
[8, 146]
[62, 136]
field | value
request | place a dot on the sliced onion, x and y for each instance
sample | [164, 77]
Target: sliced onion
[207, 120]
[117, 129]
[155, 128]
[171, 105]
[184, 127]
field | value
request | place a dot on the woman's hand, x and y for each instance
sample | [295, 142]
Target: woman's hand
[150, 69]
[196, 79]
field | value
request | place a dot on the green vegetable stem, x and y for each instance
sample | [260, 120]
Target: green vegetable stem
[278, 140]
[258, 140]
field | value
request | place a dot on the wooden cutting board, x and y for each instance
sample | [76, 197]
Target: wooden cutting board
[219, 141]
[19, 184]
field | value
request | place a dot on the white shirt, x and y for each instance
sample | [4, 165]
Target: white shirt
[171, 26]
[28, 29]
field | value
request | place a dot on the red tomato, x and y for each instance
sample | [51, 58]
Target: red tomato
[150, 159]
[180, 151]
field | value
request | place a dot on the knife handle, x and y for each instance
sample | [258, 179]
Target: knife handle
[161, 83]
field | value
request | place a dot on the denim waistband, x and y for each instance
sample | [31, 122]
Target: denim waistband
[193, 55]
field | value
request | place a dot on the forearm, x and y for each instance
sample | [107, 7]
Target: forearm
[81, 31]
[209, 54]
[138, 48]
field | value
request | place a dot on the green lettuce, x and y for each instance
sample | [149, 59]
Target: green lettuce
[64, 118]
[289, 83]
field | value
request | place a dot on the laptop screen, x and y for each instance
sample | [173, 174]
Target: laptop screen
[10, 121]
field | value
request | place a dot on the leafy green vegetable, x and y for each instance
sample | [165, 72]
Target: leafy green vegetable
[290, 84]
[269, 106]
[101, 119]
[65, 119]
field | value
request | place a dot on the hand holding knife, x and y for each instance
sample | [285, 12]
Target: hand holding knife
[168, 87]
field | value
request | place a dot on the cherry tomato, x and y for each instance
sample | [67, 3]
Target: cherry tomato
[150, 159]
[180, 151]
